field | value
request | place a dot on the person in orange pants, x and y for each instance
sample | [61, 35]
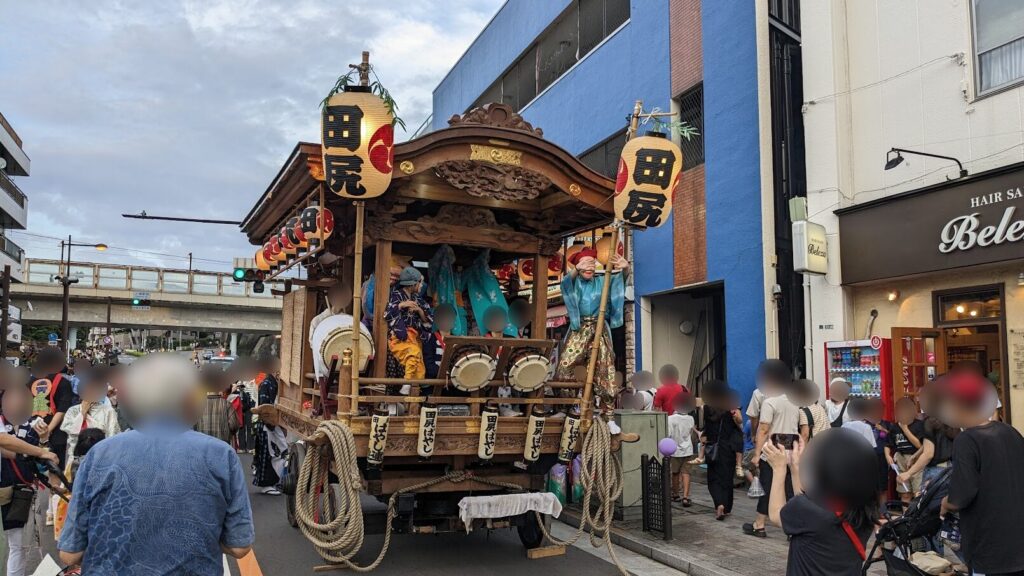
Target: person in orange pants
[409, 319]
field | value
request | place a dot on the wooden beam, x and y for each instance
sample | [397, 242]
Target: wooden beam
[545, 552]
[438, 192]
[417, 232]
[382, 289]
[538, 327]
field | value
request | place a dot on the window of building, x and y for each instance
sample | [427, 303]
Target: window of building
[604, 158]
[952, 306]
[584, 25]
[998, 43]
[691, 111]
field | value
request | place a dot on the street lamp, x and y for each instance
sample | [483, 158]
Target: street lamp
[894, 161]
[66, 281]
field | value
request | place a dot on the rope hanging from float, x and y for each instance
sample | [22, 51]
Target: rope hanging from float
[337, 532]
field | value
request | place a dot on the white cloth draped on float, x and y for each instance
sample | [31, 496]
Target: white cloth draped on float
[507, 505]
[330, 334]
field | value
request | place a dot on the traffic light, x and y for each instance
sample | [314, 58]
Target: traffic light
[257, 287]
[247, 275]
[140, 303]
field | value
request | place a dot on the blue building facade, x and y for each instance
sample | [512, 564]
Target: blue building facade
[582, 102]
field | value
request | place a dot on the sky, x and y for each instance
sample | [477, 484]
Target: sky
[190, 107]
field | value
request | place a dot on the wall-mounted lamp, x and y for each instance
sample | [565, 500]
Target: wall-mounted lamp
[960, 309]
[1020, 279]
[893, 295]
[974, 313]
[892, 161]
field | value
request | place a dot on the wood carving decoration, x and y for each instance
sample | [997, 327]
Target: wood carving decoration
[496, 181]
[495, 114]
[463, 215]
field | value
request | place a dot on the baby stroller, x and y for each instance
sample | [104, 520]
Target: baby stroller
[919, 522]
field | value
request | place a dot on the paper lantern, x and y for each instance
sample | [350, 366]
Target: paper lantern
[526, 266]
[534, 437]
[570, 436]
[603, 248]
[314, 222]
[358, 143]
[488, 433]
[427, 432]
[378, 438]
[261, 261]
[276, 252]
[287, 246]
[649, 169]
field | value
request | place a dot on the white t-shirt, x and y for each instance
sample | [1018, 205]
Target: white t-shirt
[679, 428]
[781, 415]
[862, 428]
[754, 408]
[834, 410]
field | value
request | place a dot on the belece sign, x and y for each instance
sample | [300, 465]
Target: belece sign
[810, 248]
[966, 222]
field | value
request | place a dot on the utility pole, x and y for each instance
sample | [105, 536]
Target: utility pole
[66, 300]
[108, 344]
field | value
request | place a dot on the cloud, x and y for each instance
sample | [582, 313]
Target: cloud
[190, 107]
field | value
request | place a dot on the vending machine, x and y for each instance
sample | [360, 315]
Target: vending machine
[866, 365]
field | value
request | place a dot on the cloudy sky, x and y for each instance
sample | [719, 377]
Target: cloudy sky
[189, 107]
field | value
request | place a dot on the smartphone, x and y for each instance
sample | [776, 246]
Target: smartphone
[785, 440]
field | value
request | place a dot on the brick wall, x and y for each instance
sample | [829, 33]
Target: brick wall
[689, 239]
[685, 44]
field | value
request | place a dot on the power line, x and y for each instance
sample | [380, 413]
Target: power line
[956, 56]
[130, 250]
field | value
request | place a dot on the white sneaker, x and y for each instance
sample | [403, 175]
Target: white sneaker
[272, 491]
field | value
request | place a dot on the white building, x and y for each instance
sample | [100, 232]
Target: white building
[938, 255]
[13, 203]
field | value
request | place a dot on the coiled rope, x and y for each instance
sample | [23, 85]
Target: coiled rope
[338, 540]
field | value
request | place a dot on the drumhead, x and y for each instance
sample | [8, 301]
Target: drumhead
[529, 372]
[332, 336]
[473, 370]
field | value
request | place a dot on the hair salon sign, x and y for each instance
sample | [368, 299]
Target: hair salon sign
[975, 220]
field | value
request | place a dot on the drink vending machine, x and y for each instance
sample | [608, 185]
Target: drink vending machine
[866, 365]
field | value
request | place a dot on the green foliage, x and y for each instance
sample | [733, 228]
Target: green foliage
[375, 87]
[685, 129]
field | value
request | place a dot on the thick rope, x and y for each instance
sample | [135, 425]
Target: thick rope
[340, 539]
[601, 476]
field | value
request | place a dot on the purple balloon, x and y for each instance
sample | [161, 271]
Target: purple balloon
[667, 446]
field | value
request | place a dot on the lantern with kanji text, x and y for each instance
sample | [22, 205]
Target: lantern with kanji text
[316, 225]
[358, 143]
[649, 169]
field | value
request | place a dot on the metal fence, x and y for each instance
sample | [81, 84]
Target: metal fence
[12, 189]
[144, 279]
[656, 494]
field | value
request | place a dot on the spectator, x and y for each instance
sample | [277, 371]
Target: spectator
[838, 402]
[218, 417]
[937, 443]
[722, 439]
[271, 441]
[20, 432]
[772, 372]
[639, 394]
[115, 381]
[987, 478]
[778, 415]
[87, 438]
[813, 416]
[680, 429]
[860, 410]
[163, 476]
[904, 442]
[91, 413]
[664, 398]
[828, 521]
[54, 396]
[433, 350]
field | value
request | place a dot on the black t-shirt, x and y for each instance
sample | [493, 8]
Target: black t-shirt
[939, 434]
[988, 474]
[63, 399]
[898, 441]
[818, 544]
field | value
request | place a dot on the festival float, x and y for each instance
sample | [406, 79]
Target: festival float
[372, 240]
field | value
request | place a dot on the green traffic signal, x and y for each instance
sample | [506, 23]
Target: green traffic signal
[239, 274]
[136, 301]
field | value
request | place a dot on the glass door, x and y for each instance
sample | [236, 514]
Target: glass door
[918, 356]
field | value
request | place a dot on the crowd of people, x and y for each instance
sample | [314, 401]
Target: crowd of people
[162, 440]
[822, 470]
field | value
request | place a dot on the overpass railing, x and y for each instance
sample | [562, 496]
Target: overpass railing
[144, 279]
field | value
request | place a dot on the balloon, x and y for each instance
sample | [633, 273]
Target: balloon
[667, 446]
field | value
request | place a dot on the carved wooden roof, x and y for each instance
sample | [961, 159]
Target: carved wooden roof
[489, 157]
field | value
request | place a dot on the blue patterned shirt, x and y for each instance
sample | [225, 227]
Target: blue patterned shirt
[158, 501]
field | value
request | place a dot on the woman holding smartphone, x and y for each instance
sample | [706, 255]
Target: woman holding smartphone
[834, 510]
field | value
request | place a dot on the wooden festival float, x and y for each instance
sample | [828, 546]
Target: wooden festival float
[487, 182]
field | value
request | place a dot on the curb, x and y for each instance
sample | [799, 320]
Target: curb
[638, 545]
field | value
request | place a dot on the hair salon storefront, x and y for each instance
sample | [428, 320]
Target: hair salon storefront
[940, 271]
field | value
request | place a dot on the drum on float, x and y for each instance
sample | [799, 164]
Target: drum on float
[528, 369]
[332, 336]
[473, 368]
